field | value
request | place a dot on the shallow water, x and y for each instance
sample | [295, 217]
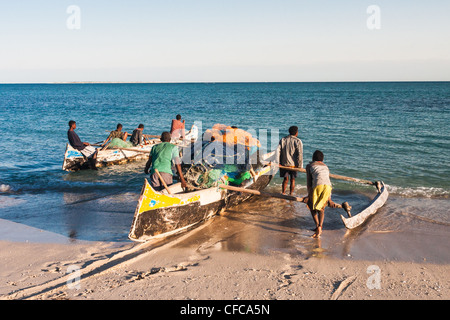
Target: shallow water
[399, 230]
[395, 132]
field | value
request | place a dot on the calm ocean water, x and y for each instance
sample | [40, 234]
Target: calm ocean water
[395, 132]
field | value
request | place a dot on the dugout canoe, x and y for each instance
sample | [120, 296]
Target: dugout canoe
[74, 159]
[159, 214]
[379, 200]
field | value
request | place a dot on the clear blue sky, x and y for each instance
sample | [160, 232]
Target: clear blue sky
[229, 40]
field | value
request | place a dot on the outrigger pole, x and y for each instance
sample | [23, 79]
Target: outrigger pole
[334, 176]
[261, 193]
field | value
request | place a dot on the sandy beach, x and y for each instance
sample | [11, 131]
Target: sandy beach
[196, 265]
[239, 133]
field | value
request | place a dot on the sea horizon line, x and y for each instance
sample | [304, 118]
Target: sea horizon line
[223, 82]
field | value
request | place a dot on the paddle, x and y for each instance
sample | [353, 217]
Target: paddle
[260, 193]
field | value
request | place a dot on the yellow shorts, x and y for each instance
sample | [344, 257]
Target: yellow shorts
[320, 196]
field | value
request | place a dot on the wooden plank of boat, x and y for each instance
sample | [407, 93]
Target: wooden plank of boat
[377, 202]
[159, 214]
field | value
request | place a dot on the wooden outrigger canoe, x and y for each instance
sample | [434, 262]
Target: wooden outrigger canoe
[74, 159]
[159, 214]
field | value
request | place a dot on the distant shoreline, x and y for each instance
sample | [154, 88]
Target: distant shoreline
[224, 82]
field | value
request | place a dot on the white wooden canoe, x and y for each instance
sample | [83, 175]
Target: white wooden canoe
[377, 203]
[74, 159]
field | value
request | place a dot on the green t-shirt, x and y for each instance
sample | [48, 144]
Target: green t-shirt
[162, 155]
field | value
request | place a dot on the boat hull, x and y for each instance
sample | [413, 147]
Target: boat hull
[159, 215]
[75, 161]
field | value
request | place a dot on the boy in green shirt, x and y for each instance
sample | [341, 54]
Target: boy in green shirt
[161, 157]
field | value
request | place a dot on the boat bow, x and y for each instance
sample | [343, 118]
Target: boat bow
[377, 203]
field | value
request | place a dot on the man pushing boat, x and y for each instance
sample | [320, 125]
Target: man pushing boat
[160, 160]
[319, 191]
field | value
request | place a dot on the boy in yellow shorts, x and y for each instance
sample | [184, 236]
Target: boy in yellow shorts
[319, 191]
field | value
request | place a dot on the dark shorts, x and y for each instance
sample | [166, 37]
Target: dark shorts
[288, 173]
[156, 183]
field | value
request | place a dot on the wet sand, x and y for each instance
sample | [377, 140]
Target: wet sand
[261, 249]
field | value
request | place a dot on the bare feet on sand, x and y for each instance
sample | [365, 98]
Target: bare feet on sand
[317, 233]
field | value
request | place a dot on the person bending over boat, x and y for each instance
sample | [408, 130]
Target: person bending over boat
[84, 147]
[117, 138]
[137, 137]
[290, 154]
[118, 134]
[319, 191]
[161, 158]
